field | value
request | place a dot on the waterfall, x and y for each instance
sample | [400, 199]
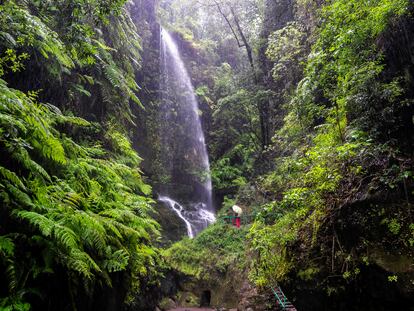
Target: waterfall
[178, 209]
[183, 148]
[194, 220]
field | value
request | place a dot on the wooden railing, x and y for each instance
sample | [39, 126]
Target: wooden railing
[244, 219]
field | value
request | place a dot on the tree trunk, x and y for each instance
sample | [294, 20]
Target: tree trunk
[245, 42]
[263, 107]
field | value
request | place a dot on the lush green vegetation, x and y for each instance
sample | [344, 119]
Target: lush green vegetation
[213, 252]
[307, 107]
[332, 136]
[339, 108]
[74, 205]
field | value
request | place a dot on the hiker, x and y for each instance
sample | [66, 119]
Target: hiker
[237, 221]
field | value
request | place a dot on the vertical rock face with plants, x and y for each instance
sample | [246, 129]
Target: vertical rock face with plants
[307, 109]
[74, 222]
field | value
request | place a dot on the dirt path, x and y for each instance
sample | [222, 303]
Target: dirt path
[196, 309]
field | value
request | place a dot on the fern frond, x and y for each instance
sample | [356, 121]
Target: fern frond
[75, 121]
[6, 246]
[86, 78]
[44, 224]
[113, 75]
[11, 122]
[91, 230]
[12, 177]
[110, 226]
[78, 262]
[79, 88]
[53, 150]
[45, 107]
[19, 196]
[74, 200]
[11, 276]
[119, 214]
[8, 37]
[118, 261]
[66, 236]
[22, 156]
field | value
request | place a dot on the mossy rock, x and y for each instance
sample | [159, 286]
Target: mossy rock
[188, 299]
[167, 304]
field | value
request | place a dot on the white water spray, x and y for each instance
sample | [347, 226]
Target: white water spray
[178, 209]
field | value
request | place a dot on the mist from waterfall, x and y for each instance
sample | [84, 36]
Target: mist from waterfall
[183, 148]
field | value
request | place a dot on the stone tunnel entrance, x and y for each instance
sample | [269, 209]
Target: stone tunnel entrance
[205, 298]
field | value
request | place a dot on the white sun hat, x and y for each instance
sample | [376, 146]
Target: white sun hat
[237, 209]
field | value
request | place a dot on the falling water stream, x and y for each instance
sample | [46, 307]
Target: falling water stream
[194, 219]
[179, 106]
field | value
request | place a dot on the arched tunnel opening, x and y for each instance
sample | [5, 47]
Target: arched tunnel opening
[205, 298]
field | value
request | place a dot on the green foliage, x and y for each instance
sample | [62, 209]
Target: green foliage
[286, 50]
[235, 121]
[235, 138]
[393, 225]
[270, 243]
[74, 204]
[324, 130]
[344, 68]
[211, 253]
[28, 30]
[92, 216]
[308, 274]
[411, 235]
[6, 246]
[11, 61]
[77, 48]
[233, 168]
[14, 305]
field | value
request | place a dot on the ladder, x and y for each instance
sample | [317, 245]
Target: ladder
[284, 303]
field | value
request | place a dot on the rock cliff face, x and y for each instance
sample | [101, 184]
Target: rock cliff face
[361, 264]
[146, 133]
[364, 248]
[277, 14]
[230, 290]
[146, 140]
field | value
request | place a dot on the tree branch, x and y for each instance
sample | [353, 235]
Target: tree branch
[229, 23]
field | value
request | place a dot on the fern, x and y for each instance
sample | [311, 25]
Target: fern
[110, 226]
[92, 229]
[22, 157]
[81, 90]
[51, 149]
[66, 236]
[19, 197]
[12, 177]
[73, 200]
[77, 261]
[32, 31]
[6, 246]
[8, 121]
[11, 276]
[117, 261]
[44, 224]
